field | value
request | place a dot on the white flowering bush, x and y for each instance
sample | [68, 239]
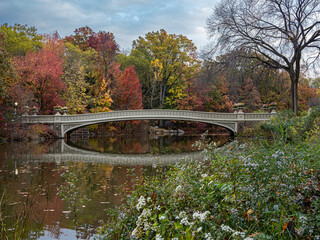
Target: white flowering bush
[245, 192]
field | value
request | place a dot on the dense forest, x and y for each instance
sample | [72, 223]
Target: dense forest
[86, 72]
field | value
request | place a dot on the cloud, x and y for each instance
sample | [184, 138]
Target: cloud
[126, 19]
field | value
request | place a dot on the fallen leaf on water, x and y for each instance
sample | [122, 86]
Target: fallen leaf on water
[23, 193]
[48, 210]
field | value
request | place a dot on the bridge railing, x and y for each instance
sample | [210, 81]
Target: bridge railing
[148, 114]
[258, 116]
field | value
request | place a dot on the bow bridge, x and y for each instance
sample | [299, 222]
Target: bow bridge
[65, 124]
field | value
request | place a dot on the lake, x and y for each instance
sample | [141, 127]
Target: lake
[60, 190]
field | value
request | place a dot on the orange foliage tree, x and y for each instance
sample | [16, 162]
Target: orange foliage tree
[306, 95]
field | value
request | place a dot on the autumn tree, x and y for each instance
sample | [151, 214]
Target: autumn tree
[308, 96]
[81, 37]
[144, 72]
[75, 67]
[127, 93]
[282, 34]
[250, 95]
[20, 39]
[102, 48]
[218, 99]
[102, 42]
[176, 55]
[39, 77]
[101, 100]
[272, 84]
[107, 48]
[194, 98]
[6, 70]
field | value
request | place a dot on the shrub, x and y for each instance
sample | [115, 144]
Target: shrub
[288, 127]
[245, 192]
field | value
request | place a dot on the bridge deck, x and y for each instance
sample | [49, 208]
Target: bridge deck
[70, 122]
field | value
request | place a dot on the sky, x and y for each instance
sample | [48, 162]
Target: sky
[126, 19]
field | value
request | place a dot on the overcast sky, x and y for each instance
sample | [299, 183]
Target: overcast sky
[126, 19]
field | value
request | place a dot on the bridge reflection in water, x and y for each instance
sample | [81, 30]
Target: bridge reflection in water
[62, 152]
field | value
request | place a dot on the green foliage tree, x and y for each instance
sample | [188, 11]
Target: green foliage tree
[20, 39]
[6, 70]
[75, 66]
[176, 55]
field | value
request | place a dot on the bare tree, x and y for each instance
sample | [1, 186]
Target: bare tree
[283, 34]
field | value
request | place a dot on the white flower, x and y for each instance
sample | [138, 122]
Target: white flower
[208, 236]
[141, 203]
[226, 228]
[204, 175]
[240, 234]
[201, 216]
[134, 232]
[142, 221]
[175, 238]
[248, 238]
[162, 217]
[178, 188]
[182, 214]
[184, 221]
[148, 199]
[199, 229]
[159, 237]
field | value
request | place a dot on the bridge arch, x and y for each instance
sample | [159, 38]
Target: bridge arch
[68, 129]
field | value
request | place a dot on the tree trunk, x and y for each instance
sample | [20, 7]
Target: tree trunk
[295, 95]
[294, 92]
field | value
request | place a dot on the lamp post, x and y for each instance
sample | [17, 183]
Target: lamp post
[15, 110]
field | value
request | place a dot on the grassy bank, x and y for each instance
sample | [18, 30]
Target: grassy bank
[251, 191]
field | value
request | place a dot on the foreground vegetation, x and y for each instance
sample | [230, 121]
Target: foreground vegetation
[261, 191]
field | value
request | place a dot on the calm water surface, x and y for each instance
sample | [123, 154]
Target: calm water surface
[58, 190]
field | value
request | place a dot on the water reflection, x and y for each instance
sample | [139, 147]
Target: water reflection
[57, 191]
[30, 190]
[140, 144]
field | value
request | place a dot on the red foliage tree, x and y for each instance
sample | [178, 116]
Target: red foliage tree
[39, 75]
[107, 48]
[194, 99]
[104, 43]
[127, 92]
[81, 37]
